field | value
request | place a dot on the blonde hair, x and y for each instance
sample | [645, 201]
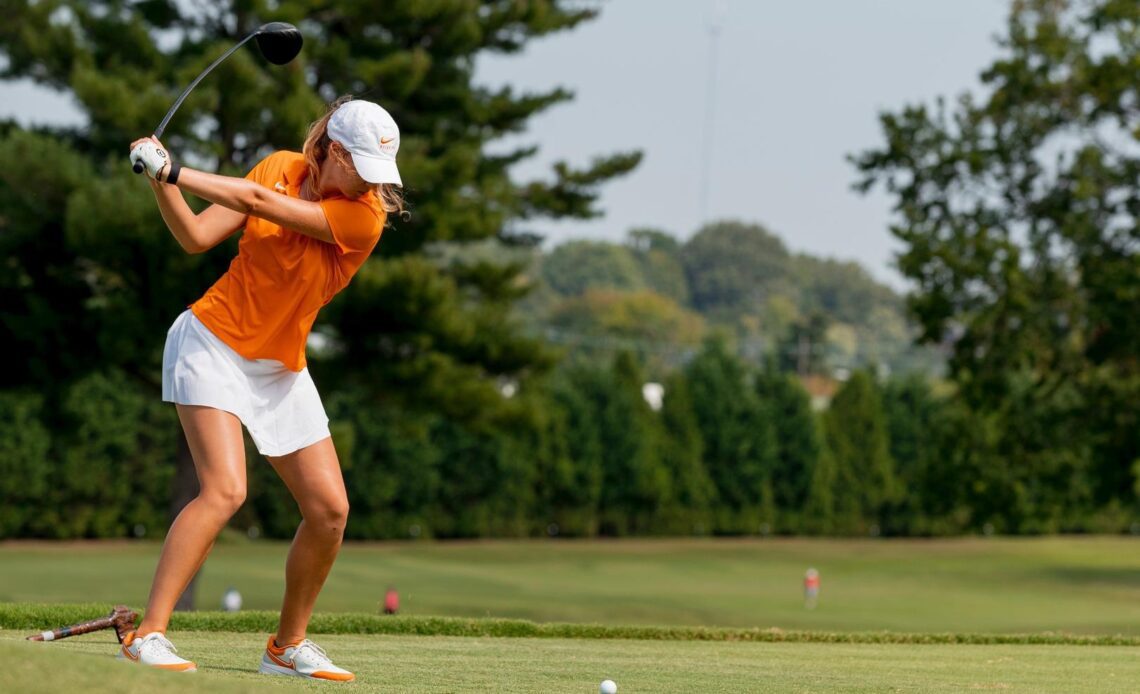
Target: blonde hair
[318, 146]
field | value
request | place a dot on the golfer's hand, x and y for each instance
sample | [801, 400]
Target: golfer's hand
[152, 155]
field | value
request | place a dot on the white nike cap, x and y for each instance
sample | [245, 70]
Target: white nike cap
[370, 134]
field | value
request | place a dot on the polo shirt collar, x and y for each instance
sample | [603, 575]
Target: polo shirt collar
[295, 172]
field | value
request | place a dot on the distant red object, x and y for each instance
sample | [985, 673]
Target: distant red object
[811, 589]
[391, 601]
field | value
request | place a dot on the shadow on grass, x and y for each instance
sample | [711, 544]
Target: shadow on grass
[1092, 576]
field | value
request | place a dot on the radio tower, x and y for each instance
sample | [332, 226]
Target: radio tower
[715, 23]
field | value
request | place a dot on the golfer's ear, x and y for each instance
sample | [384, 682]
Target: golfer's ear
[338, 151]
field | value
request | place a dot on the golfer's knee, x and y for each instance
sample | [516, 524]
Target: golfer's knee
[329, 515]
[224, 499]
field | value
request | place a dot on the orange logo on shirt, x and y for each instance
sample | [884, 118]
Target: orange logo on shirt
[385, 141]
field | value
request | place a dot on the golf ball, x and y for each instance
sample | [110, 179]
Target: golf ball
[608, 687]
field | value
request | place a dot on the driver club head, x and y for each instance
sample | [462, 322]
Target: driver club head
[279, 42]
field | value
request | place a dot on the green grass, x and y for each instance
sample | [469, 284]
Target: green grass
[1076, 585]
[1030, 615]
[424, 665]
[33, 618]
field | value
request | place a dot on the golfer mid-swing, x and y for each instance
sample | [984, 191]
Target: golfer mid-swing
[237, 356]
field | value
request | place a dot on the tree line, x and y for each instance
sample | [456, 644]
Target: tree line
[731, 449]
[653, 293]
[1016, 213]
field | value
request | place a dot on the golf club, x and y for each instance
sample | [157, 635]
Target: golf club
[122, 619]
[279, 42]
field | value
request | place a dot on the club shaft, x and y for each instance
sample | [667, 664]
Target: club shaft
[73, 630]
[169, 114]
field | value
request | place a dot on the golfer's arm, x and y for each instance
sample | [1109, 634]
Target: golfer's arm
[196, 233]
[250, 198]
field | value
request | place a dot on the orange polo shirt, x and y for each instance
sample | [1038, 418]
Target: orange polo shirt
[265, 304]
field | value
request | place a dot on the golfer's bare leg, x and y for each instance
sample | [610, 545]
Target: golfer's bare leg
[216, 443]
[312, 475]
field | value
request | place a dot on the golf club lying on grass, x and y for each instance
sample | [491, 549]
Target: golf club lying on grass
[279, 42]
[122, 619]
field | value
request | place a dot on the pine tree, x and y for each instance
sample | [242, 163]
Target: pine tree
[424, 330]
[683, 455]
[797, 442]
[739, 440]
[857, 437]
[577, 392]
[913, 418]
[635, 484]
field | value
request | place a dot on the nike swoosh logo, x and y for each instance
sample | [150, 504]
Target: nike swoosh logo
[280, 662]
[386, 141]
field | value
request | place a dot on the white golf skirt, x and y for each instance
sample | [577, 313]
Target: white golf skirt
[280, 408]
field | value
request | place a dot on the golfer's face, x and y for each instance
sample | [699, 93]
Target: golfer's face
[349, 182]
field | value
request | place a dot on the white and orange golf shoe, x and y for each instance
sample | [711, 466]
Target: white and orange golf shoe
[304, 659]
[154, 650]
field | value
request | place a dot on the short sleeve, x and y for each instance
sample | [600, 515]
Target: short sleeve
[355, 225]
[258, 173]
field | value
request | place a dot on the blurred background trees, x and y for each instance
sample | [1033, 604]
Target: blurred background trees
[483, 385]
[1018, 217]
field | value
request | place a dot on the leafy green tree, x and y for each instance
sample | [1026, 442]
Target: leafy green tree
[642, 315]
[1017, 215]
[858, 438]
[602, 321]
[25, 445]
[630, 481]
[798, 442]
[819, 516]
[572, 268]
[683, 455]
[394, 477]
[842, 290]
[536, 435]
[732, 267]
[109, 476]
[635, 483]
[816, 314]
[43, 302]
[740, 450]
[470, 465]
[914, 417]
[659, 256]
[576, 392]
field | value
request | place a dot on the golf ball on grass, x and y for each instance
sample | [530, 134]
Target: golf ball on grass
[608, 687]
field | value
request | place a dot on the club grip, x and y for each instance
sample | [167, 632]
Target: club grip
[138, 165]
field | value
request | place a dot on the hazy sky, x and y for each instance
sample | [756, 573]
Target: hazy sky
[798, 86]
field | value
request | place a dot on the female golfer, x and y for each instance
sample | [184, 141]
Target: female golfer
[237, 356]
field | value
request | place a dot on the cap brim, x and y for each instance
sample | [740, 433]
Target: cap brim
[376, 170]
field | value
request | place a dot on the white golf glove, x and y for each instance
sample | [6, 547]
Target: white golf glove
[154, 159]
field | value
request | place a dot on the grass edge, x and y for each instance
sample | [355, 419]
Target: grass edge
[36, 617]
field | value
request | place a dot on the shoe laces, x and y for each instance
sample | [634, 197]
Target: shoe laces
[159, 642]
[317, 651]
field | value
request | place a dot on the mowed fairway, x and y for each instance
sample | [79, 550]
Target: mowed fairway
[426, 664]
[1081, 585]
